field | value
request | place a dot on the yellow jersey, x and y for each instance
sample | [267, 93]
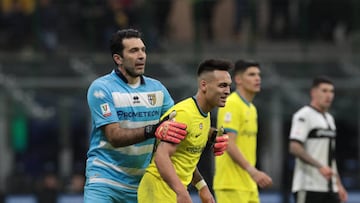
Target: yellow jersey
[186, 156]
[240, 117]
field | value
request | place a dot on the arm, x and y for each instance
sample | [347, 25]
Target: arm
[202, 187]
[167, 130]
[261, 178]
[121, 137]
[298, 150]
[167, 171]
[342, 191]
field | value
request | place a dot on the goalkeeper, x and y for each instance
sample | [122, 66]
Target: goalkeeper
[125, 110]
[173, 166]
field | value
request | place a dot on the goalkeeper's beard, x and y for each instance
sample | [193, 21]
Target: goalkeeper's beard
[132, 73]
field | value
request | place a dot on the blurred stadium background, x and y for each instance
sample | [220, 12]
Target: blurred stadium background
[51, 50]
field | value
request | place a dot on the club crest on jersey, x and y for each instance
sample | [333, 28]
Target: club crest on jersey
[201, 126]
[152, 99]
[227, 118]
[105, 109]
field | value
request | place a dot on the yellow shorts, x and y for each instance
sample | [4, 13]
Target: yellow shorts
[230, 196]
[153, 189]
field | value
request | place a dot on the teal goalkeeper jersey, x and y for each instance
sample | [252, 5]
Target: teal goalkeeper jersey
[112, 100]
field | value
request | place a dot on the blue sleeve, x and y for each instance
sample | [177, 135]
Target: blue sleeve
[168, 101]
[101, 104]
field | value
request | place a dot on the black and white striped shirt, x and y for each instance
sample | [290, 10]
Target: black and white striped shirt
[316, 131]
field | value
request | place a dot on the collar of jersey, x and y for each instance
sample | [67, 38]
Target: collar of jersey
[243, 99]
[123, 78]
[201, 112]
[315, 109]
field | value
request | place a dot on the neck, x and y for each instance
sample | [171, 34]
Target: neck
[249, 96]
[130, 79]
[318, 107]
[201, 102]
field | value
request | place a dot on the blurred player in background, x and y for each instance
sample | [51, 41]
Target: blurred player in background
[312, 142]
[125, 107]
[236, 178]
[173, 167]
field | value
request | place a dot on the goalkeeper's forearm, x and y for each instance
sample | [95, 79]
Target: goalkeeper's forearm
[121, 137]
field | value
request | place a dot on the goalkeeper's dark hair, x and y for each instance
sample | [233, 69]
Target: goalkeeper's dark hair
[320, 80]
[214, 64]
[242, 65]
[116, 41]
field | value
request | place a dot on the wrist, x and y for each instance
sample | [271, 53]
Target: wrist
[149, 131]
[251, 170]
[319, 166]
[199, 185]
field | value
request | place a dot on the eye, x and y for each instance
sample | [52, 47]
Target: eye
[223, 85]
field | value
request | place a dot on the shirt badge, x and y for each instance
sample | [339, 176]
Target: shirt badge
[227, 118]
[152, 99]
[105, 109]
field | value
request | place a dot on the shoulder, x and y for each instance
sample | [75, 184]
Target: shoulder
[183, 108]
[187, 106]
[185, 103]
[102, 86]
[102, 81]
[233, 99]
[152, 81]
[304, 111]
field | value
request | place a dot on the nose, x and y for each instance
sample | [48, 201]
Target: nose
[227, 90]
[142, 55]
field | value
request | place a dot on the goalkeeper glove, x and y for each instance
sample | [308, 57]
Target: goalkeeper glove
[220, 141]
[167, 130]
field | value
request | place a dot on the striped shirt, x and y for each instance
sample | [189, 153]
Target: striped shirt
[112, 100]
[317, 132]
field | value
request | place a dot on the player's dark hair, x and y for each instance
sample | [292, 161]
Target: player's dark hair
[242, 65]
[116, 41]
[214, 64]
[321, 79]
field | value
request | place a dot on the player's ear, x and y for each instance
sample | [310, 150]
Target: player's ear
[237, 79]
[118, 59]
[203, 85]
[313, 92]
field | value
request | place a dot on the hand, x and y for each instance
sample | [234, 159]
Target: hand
[171, 131]
[183, 197]
[326, 172]
[221, 143]
[261, 178]
[342, 193]
[167, 130]
[205, 195]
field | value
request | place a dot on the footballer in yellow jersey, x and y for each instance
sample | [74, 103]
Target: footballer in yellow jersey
[174, 166]
[241, 120]
[187, 153]
[236, 178]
